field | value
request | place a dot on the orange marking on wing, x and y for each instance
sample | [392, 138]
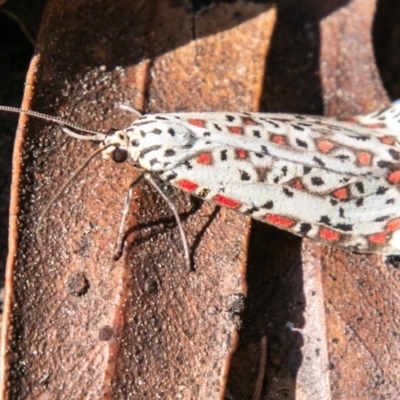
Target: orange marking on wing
[329, 234]
[394, 177]
[226, 201]
[373, 126]
[186, 185]
[341, 194]
[249, 121]
[388, 139]
[364, 158]
[204, 158]
[278, 139]
[325, 146]
[197, 122]
[393, 225]
[297, 184]
[378, 238]
[279, 220]
[242, 154]
[237, 130]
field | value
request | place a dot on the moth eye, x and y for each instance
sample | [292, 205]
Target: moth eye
[111, 131]
[120, 155]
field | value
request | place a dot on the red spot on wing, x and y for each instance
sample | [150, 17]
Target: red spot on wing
[374, 126]
[388, 139]
[393, 225]
[280, 221]
[325, 146]
[297, 184]
[242, 154]
[278, 139]
[186, 185]
[329, 234]
[227, 201]
[364, 158]
[341, 194]
[237, 130]
[249, 121]
[378, 238]
[394, 177]
[197, 122]
[204, 158]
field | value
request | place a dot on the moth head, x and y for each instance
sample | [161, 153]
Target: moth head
[116, 145]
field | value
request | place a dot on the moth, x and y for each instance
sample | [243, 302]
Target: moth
[332, 181]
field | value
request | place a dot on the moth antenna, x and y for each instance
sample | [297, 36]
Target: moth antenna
[126, 107]
[66, 184]
[96, 136]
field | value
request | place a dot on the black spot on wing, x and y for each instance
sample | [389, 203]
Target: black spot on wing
[304, 228]
[394, 154]
[325, 220]
[302, 143]
[244, 176]
[171, 175]
[344, 227]
[288, 192]
[169, 153]
[385, 165]
[359, 137]
[360, 187]
[264, 150]
[317, 181]
[270, 122]
[383, 218]
[381, 190]
[269, 205]
[342, 157]
[319, 161]
[251, 211]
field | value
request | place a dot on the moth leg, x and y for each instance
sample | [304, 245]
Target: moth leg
[119, 246]
[171, 205]
[261, 369]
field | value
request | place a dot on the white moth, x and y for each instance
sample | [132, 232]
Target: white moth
[335, 182]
